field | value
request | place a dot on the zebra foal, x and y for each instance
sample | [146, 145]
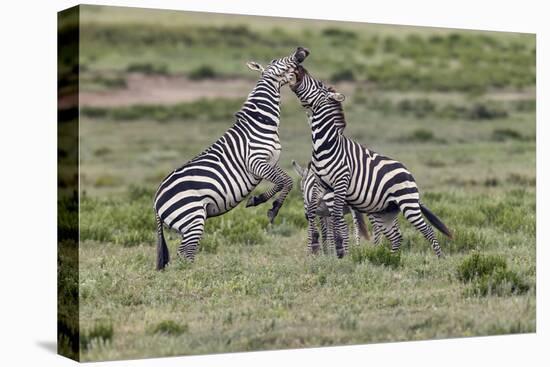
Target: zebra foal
[310, 189]
[219, 178]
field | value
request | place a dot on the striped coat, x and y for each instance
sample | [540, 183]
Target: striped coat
[367, 181]
[219, 178]
[310, 188]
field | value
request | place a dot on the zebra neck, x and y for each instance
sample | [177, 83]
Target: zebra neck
[325, 130]
[262, 107]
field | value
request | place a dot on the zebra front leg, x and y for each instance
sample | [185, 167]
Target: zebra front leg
[312, 233]
[192, 233]
[326, 235]
[340, 228]
[355, 227]
[283, 184]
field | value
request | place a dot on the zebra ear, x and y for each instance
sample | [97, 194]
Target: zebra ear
[299, 170]
[339, 97]
[253, 65]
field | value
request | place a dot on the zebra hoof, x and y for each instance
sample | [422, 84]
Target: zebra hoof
[252, 201]
[315, 248]
[272, 213]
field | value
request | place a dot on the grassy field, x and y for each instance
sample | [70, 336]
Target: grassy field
[464, 125]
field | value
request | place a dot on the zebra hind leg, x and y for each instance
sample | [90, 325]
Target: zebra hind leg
[376, 228]
[278, 203]
[412, 212]
[191, 237]
[393, 234]
[325, 230]
[386, 223]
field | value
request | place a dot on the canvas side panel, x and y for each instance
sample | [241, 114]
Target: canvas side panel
[67, 183]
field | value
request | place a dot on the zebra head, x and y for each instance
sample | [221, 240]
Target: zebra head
[306, 182]
[302, 172]
[312, 93]
[281, 71]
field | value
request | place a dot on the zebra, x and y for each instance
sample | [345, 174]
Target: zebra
[367, 181]
[325, 198]
[219, 178]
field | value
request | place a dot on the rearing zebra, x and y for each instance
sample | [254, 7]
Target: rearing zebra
[219, 178]
[363, 179]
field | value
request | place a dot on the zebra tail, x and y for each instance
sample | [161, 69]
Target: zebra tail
[437, 223]
[163, 256]
[363, 229]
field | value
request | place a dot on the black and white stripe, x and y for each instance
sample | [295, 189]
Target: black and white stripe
[310, 188]
[219, 178]
[359, 177]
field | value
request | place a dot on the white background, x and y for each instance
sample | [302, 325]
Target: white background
[28, 156]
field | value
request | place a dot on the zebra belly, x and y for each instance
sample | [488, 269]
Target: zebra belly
[200, 187]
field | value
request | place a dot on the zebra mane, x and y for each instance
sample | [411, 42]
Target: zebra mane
[340, 109]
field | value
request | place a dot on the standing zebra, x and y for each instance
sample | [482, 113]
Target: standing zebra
[219, 178]
[365, 180]
[325, 199]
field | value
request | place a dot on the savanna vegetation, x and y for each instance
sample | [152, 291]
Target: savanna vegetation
[456, 107]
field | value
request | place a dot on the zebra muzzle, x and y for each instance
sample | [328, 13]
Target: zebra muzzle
[301, 54]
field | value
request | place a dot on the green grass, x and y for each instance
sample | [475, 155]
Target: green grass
[100, 333]
[206, 109]
[253, 286]
[456, 107]
[489, 275]
[169, 328]
[379, 255]
[406, 58]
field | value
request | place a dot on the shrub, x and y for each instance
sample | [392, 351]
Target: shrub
[524, 105]
[111, 82]
[147, 68]
[419, 136]
[501, 282]
[101, 332]
[478, 265]
[467, 239]
[482, 111]
[378, 255]
[339, 33]
[489, 275]
[169, 327]
[203, 72]
[506, 134]
[522, 180]
[120, 221]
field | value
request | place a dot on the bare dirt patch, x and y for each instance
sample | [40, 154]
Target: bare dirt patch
[158, 89]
